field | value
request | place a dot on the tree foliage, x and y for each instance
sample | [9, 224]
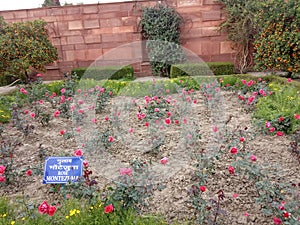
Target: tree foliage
[271, 27]
[240, 28]
[48, 3]
[24, 46]
[161, 28]
[277, 43]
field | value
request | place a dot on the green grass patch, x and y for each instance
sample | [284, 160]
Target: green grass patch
[284, 102]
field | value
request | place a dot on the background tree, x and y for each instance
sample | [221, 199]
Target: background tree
[240, 27]
[48, 3]
[277, 44]
[23, 46]
[267, 28]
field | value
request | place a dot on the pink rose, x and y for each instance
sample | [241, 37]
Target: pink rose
[202, 188]
[246, 214]
[78, 152]
[2, 178]
[126, 171]
[241, 97]
[22, 90]
[111, 139]
[277, 220]
[32, 115]
[85, 163]
[272, 129]
[253, 158]
[233, 150]
[51, 210]
[56, 113]
[215, 129]
[108, 209]
[81, 111]
[168, 121]
[43, 208]
[2, 169]
[279, 133]
[164, 160]
[231, 169]
[28, 173]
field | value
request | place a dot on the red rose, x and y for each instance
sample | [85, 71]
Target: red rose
[231, 169]
[51, 210]
[108, 208]
[279, 133]
[43, 208]
[202, 188]
[233, 150]
[28, 173]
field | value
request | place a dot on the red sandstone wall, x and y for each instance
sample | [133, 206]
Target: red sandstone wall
[84, 33]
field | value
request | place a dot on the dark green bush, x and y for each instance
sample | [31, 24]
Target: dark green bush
[105, 72]
[161, 28]
[24, 46]
[202, 69]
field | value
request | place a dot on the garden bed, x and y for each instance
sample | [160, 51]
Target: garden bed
[197, 132]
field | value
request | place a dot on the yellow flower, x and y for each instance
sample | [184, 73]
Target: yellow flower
[4, 215]
[72, 212]
[12, 222]
[23, 218]
[67, 217]
[77, 211]
[91, 207]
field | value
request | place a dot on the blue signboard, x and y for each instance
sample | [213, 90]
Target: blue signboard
[61, 170]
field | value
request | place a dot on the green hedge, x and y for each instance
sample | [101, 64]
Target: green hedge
[105, 72]
[202, 69]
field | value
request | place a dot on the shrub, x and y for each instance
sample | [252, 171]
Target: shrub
[277, 44]
[5, 113]
[282, 103]
[105, 72]
[202, 69]
[24, 46]
[160, 26]
[239, 26]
